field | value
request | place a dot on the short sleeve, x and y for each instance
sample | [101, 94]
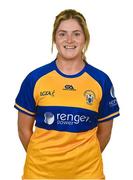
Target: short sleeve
[108, 108]
[25, 101]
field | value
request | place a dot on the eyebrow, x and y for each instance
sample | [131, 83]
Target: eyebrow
[66, 31]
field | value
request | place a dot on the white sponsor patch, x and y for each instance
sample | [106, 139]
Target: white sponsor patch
[63, 118]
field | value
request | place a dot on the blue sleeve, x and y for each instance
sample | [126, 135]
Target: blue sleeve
[108, 108]
[25, 100]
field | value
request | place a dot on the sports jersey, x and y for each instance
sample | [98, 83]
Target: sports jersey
[67, 111]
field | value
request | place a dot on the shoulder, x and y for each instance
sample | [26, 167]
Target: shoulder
[96, 72]
[100, 76]
[31, 79]
[40, 71]
[37, 73]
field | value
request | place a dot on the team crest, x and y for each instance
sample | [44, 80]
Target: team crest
[90, 96]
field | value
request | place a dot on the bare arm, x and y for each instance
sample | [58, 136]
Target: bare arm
[104, 133]
[25, 128]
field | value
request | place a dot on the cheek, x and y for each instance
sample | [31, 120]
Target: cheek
[81, 42]
[58, 45]
[58, 42]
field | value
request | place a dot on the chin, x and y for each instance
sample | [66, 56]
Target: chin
[70, 57]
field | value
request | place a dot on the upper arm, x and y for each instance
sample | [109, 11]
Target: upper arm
[25, 122]
[108, 107]
[105, 127]
[25, 101]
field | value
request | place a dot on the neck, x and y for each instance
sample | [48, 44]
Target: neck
[70, 66]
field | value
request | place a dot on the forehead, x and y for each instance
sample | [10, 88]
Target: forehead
[69, 25]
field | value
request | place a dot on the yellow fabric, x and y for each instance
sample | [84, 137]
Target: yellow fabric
[67, 111]
[57, 82]
[50, 151]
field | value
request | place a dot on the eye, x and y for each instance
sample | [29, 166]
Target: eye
[77, 33]
[62, 34]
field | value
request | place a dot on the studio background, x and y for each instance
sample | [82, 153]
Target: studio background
[25, 44]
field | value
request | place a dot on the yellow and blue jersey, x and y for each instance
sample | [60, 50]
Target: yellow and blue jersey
[67, 111]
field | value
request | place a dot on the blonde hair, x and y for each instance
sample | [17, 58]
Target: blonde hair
[72, 14]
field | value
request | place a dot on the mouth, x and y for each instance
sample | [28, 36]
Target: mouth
[70, 47]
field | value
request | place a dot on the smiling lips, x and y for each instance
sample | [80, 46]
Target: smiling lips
[69, 47]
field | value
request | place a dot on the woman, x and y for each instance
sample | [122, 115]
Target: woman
[72, 104]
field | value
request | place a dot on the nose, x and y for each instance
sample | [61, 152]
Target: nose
[69, 38]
